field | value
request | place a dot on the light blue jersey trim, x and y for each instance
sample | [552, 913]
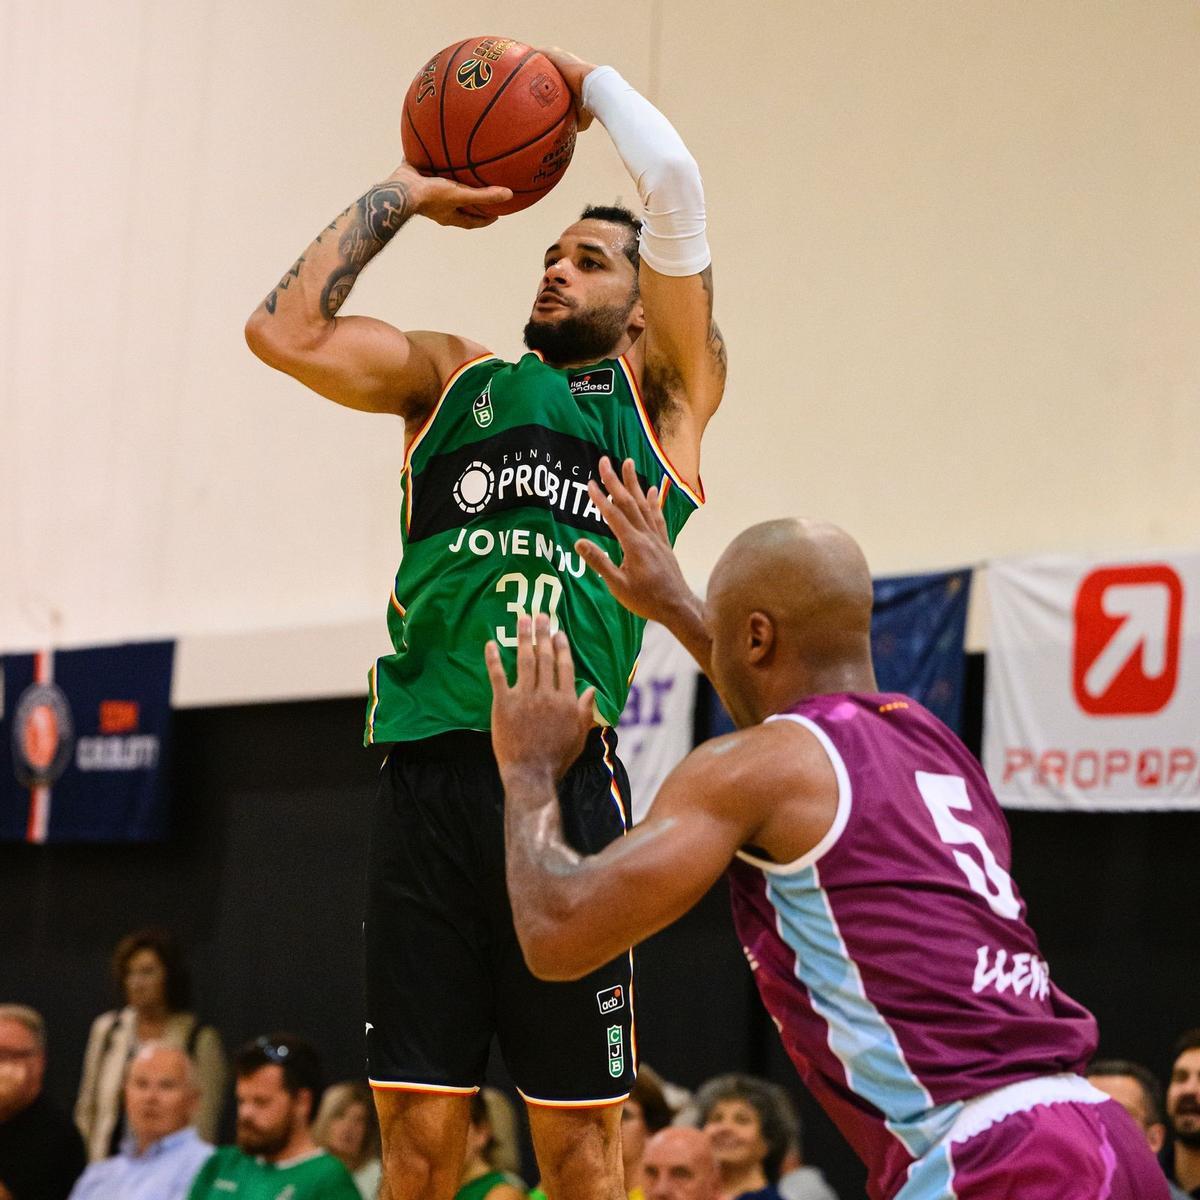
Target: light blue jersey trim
[863, 1041]
[931, 1177]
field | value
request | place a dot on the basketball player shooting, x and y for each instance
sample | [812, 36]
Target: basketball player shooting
[868, 865]
[624, 360]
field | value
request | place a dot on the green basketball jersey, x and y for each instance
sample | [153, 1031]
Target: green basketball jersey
[495, 497]
[230, 1172]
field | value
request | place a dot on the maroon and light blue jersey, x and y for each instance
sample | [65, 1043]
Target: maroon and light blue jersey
[894, 957]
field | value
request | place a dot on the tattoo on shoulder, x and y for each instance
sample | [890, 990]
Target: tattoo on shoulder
[716, 342]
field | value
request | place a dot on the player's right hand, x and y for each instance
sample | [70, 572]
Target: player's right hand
[649, 581]
[447, 202]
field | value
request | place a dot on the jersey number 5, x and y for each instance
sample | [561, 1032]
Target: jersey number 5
[944, 795]
[547, 592]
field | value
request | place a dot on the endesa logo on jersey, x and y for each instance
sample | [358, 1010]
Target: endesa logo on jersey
[1126, 639]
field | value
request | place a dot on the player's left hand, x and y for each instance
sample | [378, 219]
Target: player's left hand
[574, 70]
[539, 723]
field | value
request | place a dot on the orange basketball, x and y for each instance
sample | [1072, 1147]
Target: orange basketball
[490, 111]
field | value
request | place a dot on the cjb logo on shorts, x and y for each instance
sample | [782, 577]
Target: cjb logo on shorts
[616, 1051]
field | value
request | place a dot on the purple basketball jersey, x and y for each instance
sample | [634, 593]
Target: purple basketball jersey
[894, 957]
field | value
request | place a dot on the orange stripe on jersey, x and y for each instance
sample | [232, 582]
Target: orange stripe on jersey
[454, 378]
[397, 605]
[573, 1103]
[697, 498]
[663, 487]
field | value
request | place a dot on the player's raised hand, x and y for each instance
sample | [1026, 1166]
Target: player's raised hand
[574, 71]
[538, 723]
[447, 202]
[648, 581]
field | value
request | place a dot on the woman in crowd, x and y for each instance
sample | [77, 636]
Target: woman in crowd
[346, 1126]
[152, 981]
[492, 1155]
[645, 1113]
[749, 1124]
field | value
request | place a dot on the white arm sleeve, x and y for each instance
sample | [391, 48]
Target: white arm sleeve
[673, 240]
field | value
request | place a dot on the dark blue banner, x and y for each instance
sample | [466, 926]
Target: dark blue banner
[83, 744]
[918, 632]
[918, 635]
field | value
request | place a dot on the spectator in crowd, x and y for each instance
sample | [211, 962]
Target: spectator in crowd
[161, 1152]
[1136, 1089]
[278, 1089]
[799, 1180]
[750, 1124]
[679, 1164]
[347, 1127]
[41, 1154]
[151, 979]
[490, 1157]
[645, 1113]
[1183, 1114]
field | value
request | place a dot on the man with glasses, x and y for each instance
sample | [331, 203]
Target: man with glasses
[41, 1152]
[278, 1089]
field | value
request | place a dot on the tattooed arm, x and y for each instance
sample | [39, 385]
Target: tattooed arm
[362, 362]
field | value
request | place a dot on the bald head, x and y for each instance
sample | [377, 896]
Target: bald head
[160, 1093]
[789, 602]
[679, 1165]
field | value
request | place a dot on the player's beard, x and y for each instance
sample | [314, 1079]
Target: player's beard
[579, 337]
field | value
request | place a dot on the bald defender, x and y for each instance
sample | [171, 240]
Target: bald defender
[868, 864]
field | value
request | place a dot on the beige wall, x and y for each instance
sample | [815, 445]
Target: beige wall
[955, 248]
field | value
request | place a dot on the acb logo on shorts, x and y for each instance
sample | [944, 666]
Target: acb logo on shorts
[611, 999]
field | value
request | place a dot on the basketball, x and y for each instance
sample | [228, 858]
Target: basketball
[491, 111]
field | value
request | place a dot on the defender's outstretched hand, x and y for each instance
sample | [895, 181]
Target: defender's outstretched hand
[648, 581]
[539, 724]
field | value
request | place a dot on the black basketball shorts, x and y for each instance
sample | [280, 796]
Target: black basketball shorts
[444, 969]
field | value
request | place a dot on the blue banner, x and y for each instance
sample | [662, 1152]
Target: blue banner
[83, 744]
[918, 635]
[918, 631]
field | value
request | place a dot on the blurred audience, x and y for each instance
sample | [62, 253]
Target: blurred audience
[41, 1154]
[799, 1180]
[152, 981]
[645, 1113]
[161, 1151]
[750, 1124]
[278, 1089]
[1136, 1089]
[1183, 1114]
[347, 1127]
[491, 1150]
[679, 1164]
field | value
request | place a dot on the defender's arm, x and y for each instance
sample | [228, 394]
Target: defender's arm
[362, 362]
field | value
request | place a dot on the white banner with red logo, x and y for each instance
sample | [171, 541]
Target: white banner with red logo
[1093, 682]
[657, 727]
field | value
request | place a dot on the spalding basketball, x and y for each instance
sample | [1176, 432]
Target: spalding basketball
[490, 111]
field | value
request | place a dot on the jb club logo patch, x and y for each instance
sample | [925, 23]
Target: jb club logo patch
[43, 735]
[616, 1051]
[1126, 643]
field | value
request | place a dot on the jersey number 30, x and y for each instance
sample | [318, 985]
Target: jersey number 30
[944, 795]
[547, 592]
